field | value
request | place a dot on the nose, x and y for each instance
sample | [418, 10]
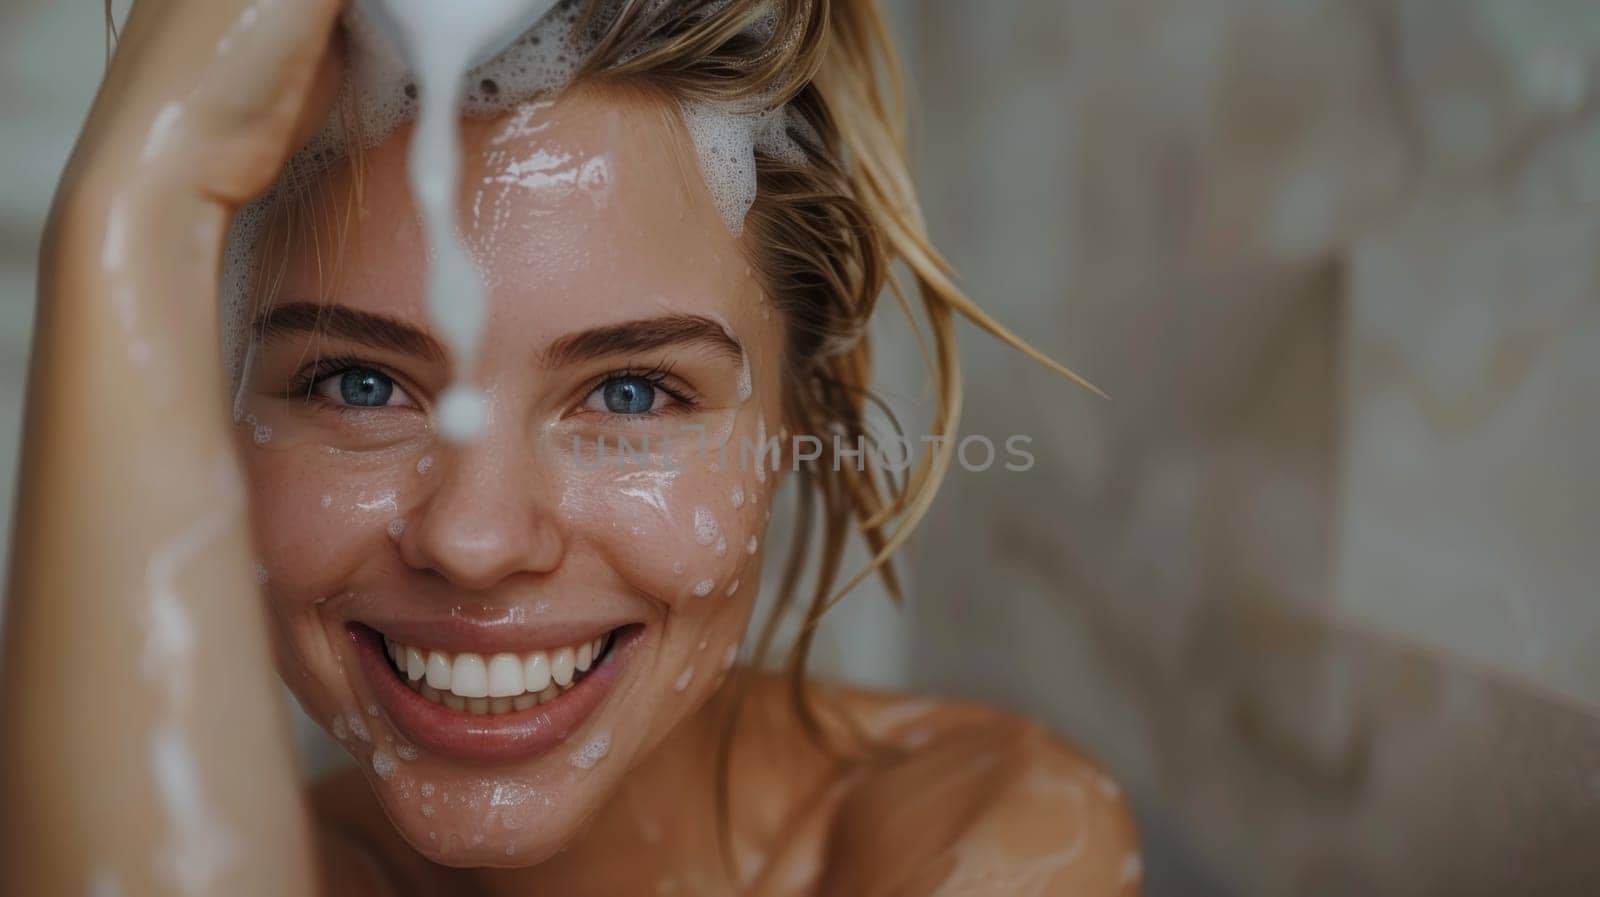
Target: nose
[492, 515]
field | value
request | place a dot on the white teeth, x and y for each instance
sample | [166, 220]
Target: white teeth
[499, 684]
[562, 665]
[505, 676]
[439, 670]
[536, 672]
[468, 676]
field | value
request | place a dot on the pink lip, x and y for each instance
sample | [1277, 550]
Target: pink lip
[486, 739]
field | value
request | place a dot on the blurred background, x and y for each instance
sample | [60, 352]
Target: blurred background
[1319, 583]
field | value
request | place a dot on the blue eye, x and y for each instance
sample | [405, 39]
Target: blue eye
[361, 388]
[628, 395]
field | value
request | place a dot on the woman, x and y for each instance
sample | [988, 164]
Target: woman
[524, 640]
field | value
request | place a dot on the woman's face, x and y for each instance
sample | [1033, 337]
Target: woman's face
[499, 630]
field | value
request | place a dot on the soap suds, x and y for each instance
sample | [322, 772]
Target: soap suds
[383, 764]
[706, 529]
[590, 754]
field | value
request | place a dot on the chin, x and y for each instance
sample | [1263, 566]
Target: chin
[482, 819]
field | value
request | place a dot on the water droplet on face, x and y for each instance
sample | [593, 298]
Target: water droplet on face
[406, 752]
[738, 498]
[704, 587]
[262, 434]
[733, 587]
[372, 710]
[683, 680]
[327, 501]
[338, 728]
[426, 790]
[722, 547]
[593, 752]
[261, 574]
[427, 810]
[751, 546]
[677, 567]
[706, 529]
[383, 765]
[397, 528]
[425, 464]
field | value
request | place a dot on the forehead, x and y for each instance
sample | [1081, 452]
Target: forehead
[578, 211]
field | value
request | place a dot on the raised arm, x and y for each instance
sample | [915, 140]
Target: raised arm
[143, 749]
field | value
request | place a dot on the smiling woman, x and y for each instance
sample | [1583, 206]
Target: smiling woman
[525, 640]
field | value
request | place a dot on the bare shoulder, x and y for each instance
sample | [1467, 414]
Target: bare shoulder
[974, 801]
[359, 852]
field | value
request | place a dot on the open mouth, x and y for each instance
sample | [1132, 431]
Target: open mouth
[483, 707]
[496, 683]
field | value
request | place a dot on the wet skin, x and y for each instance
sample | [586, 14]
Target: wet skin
[587, 217]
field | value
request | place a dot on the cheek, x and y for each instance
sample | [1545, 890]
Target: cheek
[684, 526]
[318, 518]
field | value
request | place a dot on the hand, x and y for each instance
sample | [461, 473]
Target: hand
[209, 97]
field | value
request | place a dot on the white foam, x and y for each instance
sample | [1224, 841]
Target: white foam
[383, 765]
[593, 752]
[706, 530]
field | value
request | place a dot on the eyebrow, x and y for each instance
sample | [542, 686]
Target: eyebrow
[382, 331]
[379, 331]
[642, 335]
